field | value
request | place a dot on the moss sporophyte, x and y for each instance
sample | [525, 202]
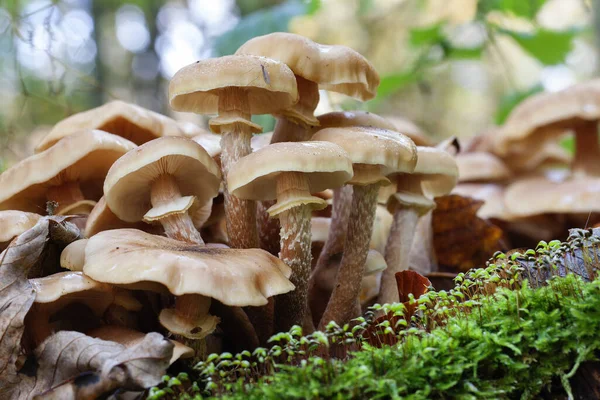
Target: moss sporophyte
[518, 328]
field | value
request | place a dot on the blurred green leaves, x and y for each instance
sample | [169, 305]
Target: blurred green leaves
[549, 47]
[521, 8]
[510, 101]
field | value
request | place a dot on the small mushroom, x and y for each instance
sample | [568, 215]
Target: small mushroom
[127, 120]
[194, 273]
[375, 154]
[163, 181]
[435, 175]
[481, 167]
[234, 87]
[290, 172]
[13, 223]
[70, 172]
[410, 129]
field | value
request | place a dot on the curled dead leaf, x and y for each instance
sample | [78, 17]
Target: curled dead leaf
[462, 240]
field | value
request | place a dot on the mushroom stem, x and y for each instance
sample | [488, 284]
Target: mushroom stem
[397, 252]
[295, 250]
[178, 225]
[192, 308]
[235, 144]
[294, 124]
[65, 194]
[342, 304]
[287, 130]
[268, 228]
[587, 150]
[318, 294]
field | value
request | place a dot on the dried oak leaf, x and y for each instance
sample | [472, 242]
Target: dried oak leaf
[71, 365]
[461, 239]
[409, 282]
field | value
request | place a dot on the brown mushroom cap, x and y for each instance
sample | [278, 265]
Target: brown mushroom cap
[490, 193]
[481, 166]
[335, 68]
[84, 157]
[211, 142]
[127, 120]
[102, 219]
[270, 85]
[340, 119]
[73, 256]
[129, 338]
[410, 129]
[547, 115]
[233, 276]
[390, 152]
[438, 170]
[13, 223]
[128, 182]
[324, 165]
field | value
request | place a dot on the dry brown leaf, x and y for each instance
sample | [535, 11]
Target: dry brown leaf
[461, 239]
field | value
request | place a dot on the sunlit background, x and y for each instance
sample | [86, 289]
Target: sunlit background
[455, 67]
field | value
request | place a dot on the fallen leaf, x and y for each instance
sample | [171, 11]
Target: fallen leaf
[73, 365]
[461, 239]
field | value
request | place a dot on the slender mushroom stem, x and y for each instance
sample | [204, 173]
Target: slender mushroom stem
[235, 144]
[587, 150]
[179, 225]
[397, 252]
[287, 130]
[319, 295]
[342, 304]
[268, 228]
[193, 307]
[65, 194]
[295, 251]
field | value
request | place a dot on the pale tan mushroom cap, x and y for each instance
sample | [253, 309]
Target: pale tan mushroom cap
[340, 119]
[391, 151]
[84, 157]
[549, 114]
[270, 85]
[211, 142]
[375, 263]
[73, 256]
[480, 166]
[538, 195]
[410, 129]
[490, 193]
[13, 223]
[438, 169]
[334, 68]
[325, 166]
[261, 140]
[128, 182]
[130, 338]
[102, 219]
[127, 120]
[236, 277]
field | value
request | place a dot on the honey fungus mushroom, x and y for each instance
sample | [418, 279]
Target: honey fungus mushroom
[71, 172]
[13, 223]
[234, 88]
[435, 174]
[127, 120]
[334, 68]
[194, 273]
[290, 172]
[163, 181]
[375, 154]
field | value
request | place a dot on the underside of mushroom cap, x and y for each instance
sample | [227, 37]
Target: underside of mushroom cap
[128, 184]
[546, 115]
[324, 165]
[269, 84]
[84, 157]
[335, 68]
[127, 120]
[237, 277]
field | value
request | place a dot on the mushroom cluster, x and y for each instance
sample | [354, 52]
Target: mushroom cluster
[222, 238]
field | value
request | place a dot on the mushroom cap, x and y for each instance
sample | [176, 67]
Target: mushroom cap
[261, 140]
[340, 119]
[325, 166]
[270, 85]
[73, 256]
[128, 183]
[546, 115]
[102, 219]
[438, 169]
[481, 166]
[84, 157]
[211, 142]
[545, 155]
[335, 68]
[129, 338]
[13, 223]
[127, 120]
[58, 290]
[410, 129]
[539, 195]
[491, 194]
[236, 277]
[375, 263]
[391, 151]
